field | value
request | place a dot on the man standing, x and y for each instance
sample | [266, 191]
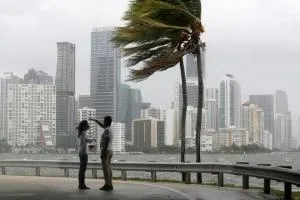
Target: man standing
[106, 151]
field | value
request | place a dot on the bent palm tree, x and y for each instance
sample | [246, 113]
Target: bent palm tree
[158, 34]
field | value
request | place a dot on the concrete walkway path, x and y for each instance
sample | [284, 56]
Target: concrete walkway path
[48, 188]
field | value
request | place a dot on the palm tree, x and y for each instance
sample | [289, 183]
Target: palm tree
[200, 106]
[158, 34]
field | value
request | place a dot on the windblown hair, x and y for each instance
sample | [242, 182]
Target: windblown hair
[81, 127]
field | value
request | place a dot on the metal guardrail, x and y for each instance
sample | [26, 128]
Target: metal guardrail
[280, 173]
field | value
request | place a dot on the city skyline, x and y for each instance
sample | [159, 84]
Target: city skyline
[248, 47]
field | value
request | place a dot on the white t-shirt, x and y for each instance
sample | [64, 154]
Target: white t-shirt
[106, 135]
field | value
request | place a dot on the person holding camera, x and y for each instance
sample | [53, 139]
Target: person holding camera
[106, 151]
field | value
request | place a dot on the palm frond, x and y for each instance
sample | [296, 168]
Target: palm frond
[165, 60]
[128, 51]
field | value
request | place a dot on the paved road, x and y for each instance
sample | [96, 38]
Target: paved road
[36, 188]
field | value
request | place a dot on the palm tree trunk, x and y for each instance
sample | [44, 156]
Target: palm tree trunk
[199, 113]
[183, 113]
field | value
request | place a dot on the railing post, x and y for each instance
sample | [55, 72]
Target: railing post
[153, 176]
[66, 172]
[123, 175]
[3, 170]
[187, 179]
[38, 171]
[220, 179]
[94, 173]
[287, 186]
[267, 181]
[245, 177]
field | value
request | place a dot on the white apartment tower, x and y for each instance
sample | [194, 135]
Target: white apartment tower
[230, 102]
[84, 114]
[118, 130]
[211, 105]
[283, 132]
[5, 79]
[31, 107]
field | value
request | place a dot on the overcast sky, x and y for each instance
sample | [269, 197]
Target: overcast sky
[256, 40]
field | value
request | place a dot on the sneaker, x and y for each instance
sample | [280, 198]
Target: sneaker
[105, 188]
[83, 188]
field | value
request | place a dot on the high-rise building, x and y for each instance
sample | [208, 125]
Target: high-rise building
[105, 73]
[191, 66]
[38, 77]
[252, 118]
[171, 126]
[65, 96]
[281, 100]
[230, 102]
[147, 133]
[31, 112]
[283, 132]
[5, 79]
[161, 133]
[129, 107]
[192, 93]
[84, 101]
[191, 122]
[118, 131]
[266, 103]
[268, 140]
[154, 112]
[211, 105]
[84, 114]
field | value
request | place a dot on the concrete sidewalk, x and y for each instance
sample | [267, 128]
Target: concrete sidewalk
[46, 188]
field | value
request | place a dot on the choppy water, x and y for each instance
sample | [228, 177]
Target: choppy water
[278, 158]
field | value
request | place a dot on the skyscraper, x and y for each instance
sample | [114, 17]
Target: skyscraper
[129, 107]
[31, 113]
[191, 66]
[230, 102]
[148, 133]
[192, 93]
[281, 99]
[211, 105]
[65, 95]
[283, 132]
[171, 126]
[266, 102]
[5, 79]
[105, 73]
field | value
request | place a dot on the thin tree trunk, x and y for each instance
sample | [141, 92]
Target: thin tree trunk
[199, 113]
[183, 113]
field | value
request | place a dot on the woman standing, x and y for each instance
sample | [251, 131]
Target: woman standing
[83, 155]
